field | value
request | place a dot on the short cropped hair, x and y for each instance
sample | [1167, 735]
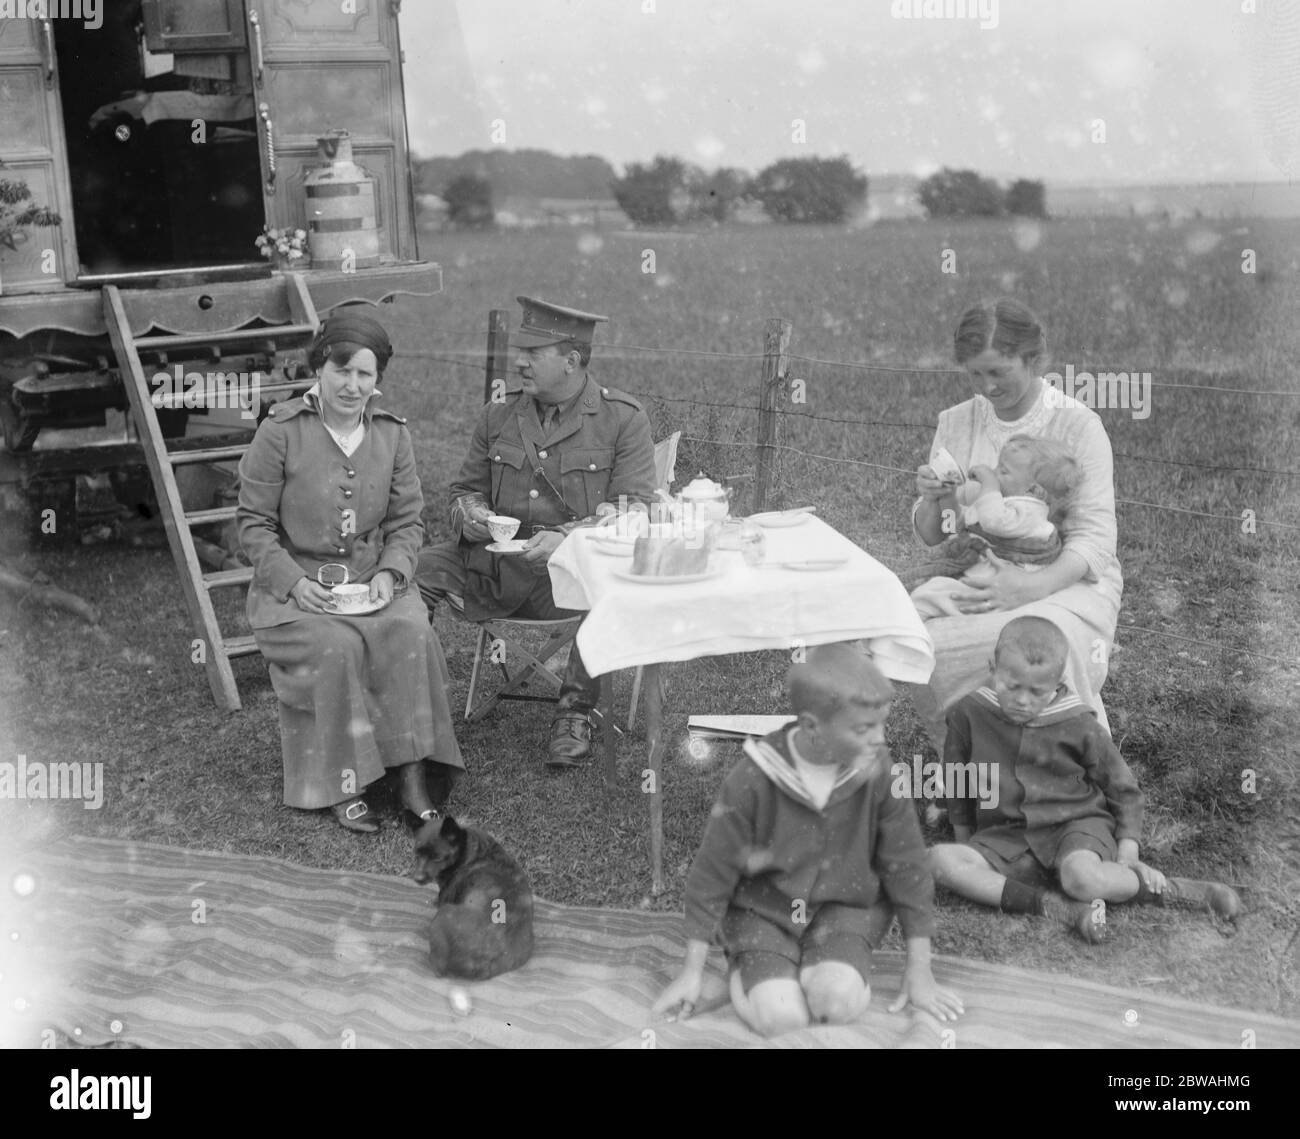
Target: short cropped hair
[835, 677]
[1054, 468]
[1036, 639]
[581, 347]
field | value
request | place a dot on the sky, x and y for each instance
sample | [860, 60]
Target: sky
[1086, 91]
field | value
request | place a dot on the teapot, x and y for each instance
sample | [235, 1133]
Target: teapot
[703, 501]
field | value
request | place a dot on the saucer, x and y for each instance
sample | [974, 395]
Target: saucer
[676, 579]
[811, 565]
[775, 519]
[368, 607]
[607, 535]
[514, 546]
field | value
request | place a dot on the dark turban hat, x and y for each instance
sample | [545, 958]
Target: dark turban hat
[349, 327]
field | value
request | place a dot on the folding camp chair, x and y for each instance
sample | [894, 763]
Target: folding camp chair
[527, 674]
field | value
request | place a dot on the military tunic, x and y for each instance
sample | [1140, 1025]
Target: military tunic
[598, 450]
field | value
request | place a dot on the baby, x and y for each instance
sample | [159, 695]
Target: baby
[1012, 512]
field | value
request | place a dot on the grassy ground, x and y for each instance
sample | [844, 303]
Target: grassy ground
[1194, 720]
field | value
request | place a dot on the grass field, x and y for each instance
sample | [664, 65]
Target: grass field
[1201, 683]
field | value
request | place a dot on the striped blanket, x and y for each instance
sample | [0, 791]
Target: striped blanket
[168, 947]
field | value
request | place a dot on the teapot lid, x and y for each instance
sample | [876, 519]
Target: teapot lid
[701, 486]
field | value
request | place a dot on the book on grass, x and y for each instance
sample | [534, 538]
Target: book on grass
[735, 727]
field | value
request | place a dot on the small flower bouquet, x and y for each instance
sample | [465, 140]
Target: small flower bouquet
[18, 213]
[282, 247]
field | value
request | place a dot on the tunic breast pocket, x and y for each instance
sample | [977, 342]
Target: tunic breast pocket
[586, 474]
[507, 481]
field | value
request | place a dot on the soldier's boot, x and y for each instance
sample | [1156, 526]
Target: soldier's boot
[570, 740]
[571, 729]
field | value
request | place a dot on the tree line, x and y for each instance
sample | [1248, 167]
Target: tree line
[668, 190]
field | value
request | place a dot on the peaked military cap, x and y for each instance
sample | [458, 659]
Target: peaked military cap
[545, 323]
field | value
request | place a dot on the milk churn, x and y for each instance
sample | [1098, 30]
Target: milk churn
[341, 206]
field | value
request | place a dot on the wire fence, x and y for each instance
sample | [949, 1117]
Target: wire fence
[743, 434]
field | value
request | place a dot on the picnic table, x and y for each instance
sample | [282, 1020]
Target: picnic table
[815, 587]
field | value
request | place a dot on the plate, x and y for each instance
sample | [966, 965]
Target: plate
[814, 564]
[608, 536]
[514, 546]
[369, 607]
[775, 519]
[679, 579]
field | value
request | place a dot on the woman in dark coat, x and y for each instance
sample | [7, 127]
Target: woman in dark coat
[330, 480]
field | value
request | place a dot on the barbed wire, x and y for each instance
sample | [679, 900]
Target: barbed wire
[930, 427]
[1202, 514]
[1289, 662]
[605, 349]
[1137, 628]
[912, 471]
[478, 367]
[957, 372]
[1206, 466]
[806, 454]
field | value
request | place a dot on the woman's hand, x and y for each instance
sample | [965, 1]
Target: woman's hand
[1011, 587]
[312, 597]
[382, 586]
[1008, 587]
[931, 486]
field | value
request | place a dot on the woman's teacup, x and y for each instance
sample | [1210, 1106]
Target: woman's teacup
[945, 467]
[350, 598]
[502, 527]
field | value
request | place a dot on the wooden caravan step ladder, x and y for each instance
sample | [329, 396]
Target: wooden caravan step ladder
[196, 584]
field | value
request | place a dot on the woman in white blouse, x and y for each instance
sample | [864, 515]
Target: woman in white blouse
[1001, 346]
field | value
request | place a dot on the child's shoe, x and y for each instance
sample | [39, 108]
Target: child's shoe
[1222, 900]
[1087, 919]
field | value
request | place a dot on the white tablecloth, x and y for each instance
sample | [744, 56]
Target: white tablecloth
[743, 608]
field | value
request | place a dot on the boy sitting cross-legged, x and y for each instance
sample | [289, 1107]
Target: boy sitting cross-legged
[1068, 807]
[806, 858]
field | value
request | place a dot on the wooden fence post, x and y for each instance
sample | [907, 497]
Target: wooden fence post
[776, 345]
[498, 353]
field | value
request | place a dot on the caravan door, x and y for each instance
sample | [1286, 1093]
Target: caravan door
[321, 65]
[32, 149]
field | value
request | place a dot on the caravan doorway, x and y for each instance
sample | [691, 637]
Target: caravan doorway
[162, 144]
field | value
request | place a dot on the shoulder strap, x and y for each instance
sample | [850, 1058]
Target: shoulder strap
[530, 449]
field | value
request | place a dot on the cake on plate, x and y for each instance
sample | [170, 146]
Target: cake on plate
[669, 557]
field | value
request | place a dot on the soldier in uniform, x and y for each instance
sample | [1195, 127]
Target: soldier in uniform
[559, 453]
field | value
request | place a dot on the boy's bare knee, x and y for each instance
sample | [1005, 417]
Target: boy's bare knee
[776, 1007]
[947, 858]
[836, 992]
[838, 1006]
[773, 1019]
[1079, 875]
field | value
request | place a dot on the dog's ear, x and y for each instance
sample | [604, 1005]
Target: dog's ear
[451, 829]
[413, 821]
